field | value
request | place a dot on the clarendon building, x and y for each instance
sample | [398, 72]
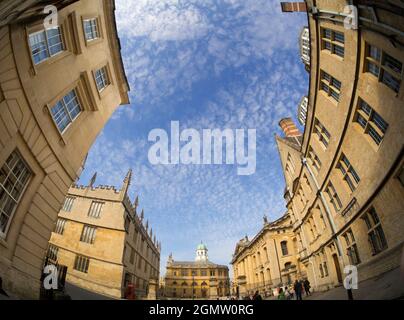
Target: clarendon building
[104, 243]
[60, 82]
[199, 279]
[344, 175]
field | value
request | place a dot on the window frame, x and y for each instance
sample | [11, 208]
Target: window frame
[379, 63]
[322, 134]
[351, 247]
[332, 42]
[368, 122]
[88, 234]
[327, 86]
[30, 174]
[37, 31]
[333, 196]
[348, 173]
[375, 229]
[61, 100]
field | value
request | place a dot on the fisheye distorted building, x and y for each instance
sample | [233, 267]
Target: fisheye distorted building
[344, 175]
[104, 242]
[59, 85]
[199, 279]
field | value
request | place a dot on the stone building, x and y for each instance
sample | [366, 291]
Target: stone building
[344, 175]
[58, 88]
[104, 242]
[199, 279]
[267, 261]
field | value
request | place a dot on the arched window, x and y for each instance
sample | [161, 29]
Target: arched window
[184, 283]
[284, 247]
[174, 283]
[203, 284]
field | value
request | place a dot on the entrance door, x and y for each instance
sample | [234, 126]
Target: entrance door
[337, 268]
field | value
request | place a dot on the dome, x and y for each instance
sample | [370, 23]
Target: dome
[201, 246]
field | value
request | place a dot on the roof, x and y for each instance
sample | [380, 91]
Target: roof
[201, 246]
[199, 264]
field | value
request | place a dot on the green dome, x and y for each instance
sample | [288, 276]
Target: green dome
[201, 246]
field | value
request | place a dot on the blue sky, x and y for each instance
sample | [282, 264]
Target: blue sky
[208, 64]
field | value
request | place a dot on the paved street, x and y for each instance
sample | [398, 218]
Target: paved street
[384, 287]
[77, 293]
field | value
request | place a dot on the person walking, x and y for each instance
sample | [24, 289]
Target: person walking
[298, 289]
[307, 287]
[281, 294]
[257, 296]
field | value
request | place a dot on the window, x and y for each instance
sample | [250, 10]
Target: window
[127, 221]
[68, 204]
[322, 133]
[88, 234]
[45, 44]
[321, 271]
[330, 85]
[81, 264]
[314, 159]
[212, 273]
[184, 273]
[372, 123]
[95, 209]
[384, 67]
[333, 42]
[284, 248]
[101, 78]
[66, 110]
[204, 273]
[53, 253]
[60, 226]
[139, 263]
[14, 177]
[376, 236]
[325, 268]
[91, 29]
[334, 198]
[351, 248]
[348, 173]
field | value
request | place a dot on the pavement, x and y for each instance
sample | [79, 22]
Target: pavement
[388, 286]
[77, 293]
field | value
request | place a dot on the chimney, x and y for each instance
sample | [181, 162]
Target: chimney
[293, 6]
[289, 128]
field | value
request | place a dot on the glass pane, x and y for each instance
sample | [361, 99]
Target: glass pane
[339, 37]
[375, 53]
[365, 107]
[392, 63]
[340, 51]
[54, 41]
[391, 81]
[60, 116]
[379, 122]
[38, 45]
[373, 69]
[361, 121]
[375, 136]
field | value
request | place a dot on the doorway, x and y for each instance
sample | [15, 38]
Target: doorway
[337, 267]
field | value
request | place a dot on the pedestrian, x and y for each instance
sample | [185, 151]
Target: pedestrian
[298, 289]
[307, 287]
[281, 294]
[257, 296]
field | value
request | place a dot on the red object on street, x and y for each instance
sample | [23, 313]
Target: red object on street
[130, 292]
